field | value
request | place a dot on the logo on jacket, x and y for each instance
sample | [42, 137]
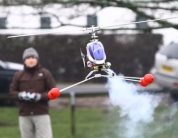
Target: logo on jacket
[40, 74]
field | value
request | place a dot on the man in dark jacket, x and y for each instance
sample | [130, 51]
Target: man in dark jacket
[30, 88]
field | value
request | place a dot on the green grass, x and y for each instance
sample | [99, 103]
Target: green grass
[96, 123]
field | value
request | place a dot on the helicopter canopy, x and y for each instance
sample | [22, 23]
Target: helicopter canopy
[96, 50]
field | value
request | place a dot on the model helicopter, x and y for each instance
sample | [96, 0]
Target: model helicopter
[96, 56]
[96, 59]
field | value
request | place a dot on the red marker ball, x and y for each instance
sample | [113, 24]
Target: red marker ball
[50, 96]
[149, 78]
[143, 82]
[54, 93]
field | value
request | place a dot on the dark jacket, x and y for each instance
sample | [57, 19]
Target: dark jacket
[37, 80]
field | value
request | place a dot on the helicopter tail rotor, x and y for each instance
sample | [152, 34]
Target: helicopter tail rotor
[83, 57]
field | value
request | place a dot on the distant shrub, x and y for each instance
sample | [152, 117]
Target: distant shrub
[129, 54]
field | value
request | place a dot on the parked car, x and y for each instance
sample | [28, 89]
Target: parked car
[7, 70]
[165, 68]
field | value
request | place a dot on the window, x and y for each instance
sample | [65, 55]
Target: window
[171, 51]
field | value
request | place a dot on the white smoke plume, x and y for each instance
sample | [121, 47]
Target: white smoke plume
[137, 108]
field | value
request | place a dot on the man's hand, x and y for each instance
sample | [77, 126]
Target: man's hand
[35, 97]
[24, 96]
[30, 97]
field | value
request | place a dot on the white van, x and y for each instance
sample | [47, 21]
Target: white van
[165, 68]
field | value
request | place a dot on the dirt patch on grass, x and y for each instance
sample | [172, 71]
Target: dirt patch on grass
[82, 102]
[3, 124]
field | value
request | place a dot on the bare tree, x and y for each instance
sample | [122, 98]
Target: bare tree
[146, 9]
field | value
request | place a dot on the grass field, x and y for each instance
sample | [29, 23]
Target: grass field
[99, 122]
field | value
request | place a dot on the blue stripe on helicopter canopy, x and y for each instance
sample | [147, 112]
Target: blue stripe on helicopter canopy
[97, 51]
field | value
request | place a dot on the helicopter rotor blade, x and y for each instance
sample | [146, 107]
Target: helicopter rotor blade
[93, 28]
[118, 25]
[55, 32]
[83, 57]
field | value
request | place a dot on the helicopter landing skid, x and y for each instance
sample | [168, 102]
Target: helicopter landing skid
[85, 80]
[109, 72]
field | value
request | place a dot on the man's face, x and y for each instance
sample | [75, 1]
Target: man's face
[30, 62]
